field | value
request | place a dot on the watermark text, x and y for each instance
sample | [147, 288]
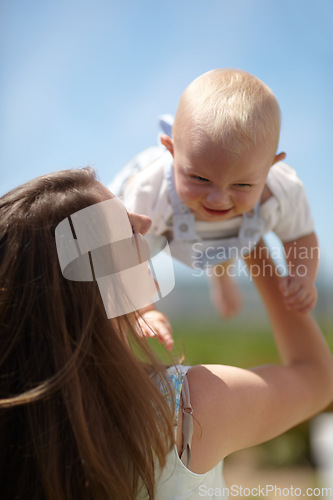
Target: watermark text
[267, 490]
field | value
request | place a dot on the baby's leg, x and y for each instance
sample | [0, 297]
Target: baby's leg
[225, 293]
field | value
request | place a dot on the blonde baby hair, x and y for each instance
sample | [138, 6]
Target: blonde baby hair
[230, 107]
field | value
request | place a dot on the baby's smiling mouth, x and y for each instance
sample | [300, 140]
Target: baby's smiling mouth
[213, 211]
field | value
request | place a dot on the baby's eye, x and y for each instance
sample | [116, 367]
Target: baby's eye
[243, 185]
[199, 178]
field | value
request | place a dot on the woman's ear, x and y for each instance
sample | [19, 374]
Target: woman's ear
[279, 157]
[167, 142]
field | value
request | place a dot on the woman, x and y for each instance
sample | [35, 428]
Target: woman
[86, 410]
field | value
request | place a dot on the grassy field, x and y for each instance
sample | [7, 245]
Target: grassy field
[236, 344]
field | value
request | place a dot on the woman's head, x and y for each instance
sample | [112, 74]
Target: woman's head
[68, 377]
[99, 243]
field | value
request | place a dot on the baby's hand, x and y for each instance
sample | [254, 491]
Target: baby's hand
[299, 293]
[154, 323]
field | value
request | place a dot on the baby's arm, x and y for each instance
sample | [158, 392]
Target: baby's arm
[225, 291]
[154, 323]
[298, 289]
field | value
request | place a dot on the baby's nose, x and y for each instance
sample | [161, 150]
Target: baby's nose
[219, 198]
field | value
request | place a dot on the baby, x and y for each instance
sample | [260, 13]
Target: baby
[217, 185]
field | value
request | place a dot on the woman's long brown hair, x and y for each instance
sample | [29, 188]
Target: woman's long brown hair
[80, 415]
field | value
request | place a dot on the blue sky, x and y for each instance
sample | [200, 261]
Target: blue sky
[83, 81]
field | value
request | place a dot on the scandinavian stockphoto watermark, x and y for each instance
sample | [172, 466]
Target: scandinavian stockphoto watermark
[97, 244]
[267, 490]
[234, 265]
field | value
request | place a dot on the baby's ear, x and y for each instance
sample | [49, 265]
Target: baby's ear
[279, 157]
[167, 142]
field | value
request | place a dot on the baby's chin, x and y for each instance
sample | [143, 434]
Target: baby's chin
[213, 218]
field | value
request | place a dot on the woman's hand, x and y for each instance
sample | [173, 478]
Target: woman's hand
[153, 323]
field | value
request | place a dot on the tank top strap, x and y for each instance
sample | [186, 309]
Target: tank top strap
[187, 427]
[176, 375]
[178, 378]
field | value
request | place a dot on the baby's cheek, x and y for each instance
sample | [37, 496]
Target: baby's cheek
[247, 200]
[189, 193]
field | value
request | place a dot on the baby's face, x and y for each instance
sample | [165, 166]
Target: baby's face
[217, 184]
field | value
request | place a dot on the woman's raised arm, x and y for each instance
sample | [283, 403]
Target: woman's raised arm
[236, 408]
